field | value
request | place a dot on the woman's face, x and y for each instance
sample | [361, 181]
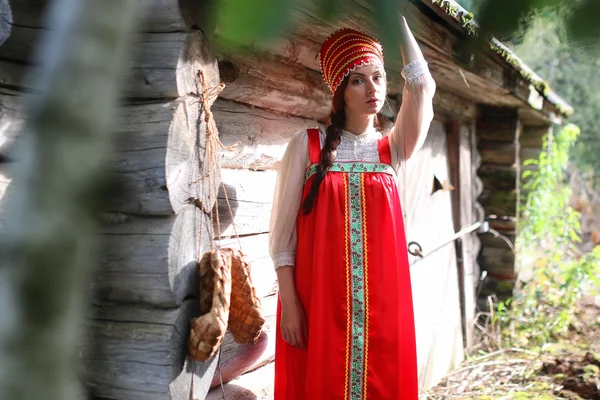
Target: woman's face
[366, 90]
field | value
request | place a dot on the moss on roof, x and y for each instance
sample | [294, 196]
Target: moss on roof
[467, 21]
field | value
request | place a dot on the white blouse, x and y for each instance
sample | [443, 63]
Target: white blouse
[414, 117]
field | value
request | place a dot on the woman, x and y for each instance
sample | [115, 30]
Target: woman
[345, 317]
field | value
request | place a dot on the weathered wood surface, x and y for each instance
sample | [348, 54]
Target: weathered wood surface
[151, 74]
[532, 136]
[287, 88]
[501, 153]
[149, 260]
[153, 260]
[6, 21]
[139, 353]
[499, 202]
[261, 135]
[156, 16]
[12, 119]
[498, 177]
[250, 195]
[469, 215]
[498, 124]
[138, 162]
[163, 66]
[429, 222]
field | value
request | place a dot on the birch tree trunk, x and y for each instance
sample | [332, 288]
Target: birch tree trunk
[47, 251]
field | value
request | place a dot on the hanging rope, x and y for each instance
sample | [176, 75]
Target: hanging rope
[210, 172]
[211, 169]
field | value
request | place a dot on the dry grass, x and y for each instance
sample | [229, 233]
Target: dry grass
[568, 369]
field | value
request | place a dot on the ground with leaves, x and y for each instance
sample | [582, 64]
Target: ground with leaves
[566, 369]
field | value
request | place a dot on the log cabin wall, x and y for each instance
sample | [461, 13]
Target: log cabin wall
[498, 132]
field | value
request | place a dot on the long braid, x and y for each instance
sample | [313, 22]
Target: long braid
[328, 153]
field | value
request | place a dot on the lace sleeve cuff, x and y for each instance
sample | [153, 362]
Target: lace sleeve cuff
[284, 259]
[415, 69]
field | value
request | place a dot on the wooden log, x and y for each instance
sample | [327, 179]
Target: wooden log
[532, 136]
[138, 162]
[501, 153]
[261, 135]
[149, 260]
[164, 65]
[499, 202]
[498, 124]
[12, 119]
[152, 73]
[156, 15]
[250, 195]
[153, 260]
[498, 177]
[139, 353]
[290, 89]
[446, 102]
[499, 263]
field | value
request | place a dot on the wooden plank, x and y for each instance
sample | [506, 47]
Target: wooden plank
[454, 164]
[140, 354]
[250, 195]
[470, 242]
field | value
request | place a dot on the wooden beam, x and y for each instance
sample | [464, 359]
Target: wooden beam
[454, 163]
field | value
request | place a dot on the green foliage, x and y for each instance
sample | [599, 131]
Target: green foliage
[573, 73]
[543, 309]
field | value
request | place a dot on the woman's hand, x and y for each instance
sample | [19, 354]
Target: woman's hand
[293, 319]
[293, 324]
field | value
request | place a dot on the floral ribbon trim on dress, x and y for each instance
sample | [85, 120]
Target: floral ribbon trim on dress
[351, 167]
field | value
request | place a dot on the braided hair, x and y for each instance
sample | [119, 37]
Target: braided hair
[337, 122]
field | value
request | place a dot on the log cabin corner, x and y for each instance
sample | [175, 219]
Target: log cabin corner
[491, 112]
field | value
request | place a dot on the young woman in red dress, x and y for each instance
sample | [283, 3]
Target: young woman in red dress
[345, 327]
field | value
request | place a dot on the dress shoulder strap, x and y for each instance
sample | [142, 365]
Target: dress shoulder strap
[314, 145]
[383, 147]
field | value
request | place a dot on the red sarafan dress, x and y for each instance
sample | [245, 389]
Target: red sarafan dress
[353, 280]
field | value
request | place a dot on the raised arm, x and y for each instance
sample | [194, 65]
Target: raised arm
[416, 111]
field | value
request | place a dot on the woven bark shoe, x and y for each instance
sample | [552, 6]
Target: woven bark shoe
[245, 315]
[207, 331]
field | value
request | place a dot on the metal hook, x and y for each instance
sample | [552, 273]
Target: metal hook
[418, 251]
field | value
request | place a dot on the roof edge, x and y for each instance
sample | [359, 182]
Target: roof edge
[468, 23]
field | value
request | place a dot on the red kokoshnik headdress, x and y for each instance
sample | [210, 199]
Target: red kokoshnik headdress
[344, 51]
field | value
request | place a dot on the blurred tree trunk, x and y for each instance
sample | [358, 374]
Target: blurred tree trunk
[47, 252]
